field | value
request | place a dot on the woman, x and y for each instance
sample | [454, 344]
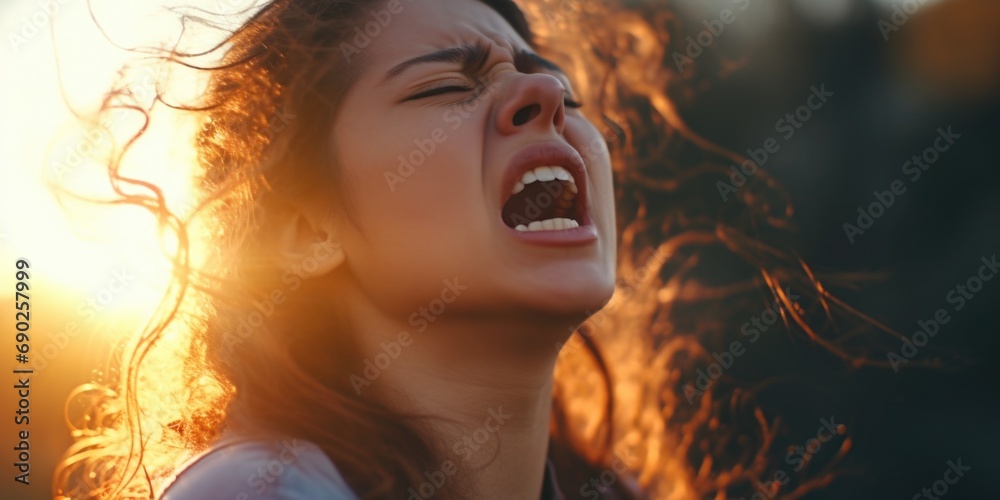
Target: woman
[387, 251]
[411, 212]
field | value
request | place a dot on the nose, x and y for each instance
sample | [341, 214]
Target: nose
[533, 101]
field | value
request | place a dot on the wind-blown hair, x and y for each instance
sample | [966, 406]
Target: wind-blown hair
[692, 268]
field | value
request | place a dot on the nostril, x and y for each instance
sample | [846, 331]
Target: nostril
[526, 114]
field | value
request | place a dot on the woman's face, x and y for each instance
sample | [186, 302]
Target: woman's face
[440, 155]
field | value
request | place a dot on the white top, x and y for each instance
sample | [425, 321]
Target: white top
[242, 469]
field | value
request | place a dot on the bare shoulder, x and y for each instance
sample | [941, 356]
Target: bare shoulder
[288, 469]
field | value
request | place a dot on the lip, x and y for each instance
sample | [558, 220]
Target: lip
[551, 154]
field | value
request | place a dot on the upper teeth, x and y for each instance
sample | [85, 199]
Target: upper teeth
[545, 174]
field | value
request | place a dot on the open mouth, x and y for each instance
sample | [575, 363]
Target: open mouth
[545, 198]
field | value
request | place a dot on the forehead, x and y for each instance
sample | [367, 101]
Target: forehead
[417, 27]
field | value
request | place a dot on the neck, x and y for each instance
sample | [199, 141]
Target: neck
[481, 390]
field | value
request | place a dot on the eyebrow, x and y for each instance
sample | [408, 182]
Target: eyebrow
[473, 57]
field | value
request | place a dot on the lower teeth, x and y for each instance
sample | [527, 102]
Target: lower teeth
[549, 225]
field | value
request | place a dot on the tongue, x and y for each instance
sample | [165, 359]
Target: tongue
[538, 201]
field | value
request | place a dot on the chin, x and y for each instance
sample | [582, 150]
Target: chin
[577, 290]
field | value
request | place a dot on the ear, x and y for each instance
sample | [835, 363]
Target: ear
[305, 242]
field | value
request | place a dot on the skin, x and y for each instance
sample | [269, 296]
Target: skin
[495, 344]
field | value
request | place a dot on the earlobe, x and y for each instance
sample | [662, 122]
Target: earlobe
[307, 250]
[327, 254]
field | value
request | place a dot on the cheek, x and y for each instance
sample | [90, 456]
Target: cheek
[592, 145]
[381, 157]
[419, 207]
[411, 158]
[416, 180]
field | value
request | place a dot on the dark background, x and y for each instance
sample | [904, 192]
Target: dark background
[941, 68]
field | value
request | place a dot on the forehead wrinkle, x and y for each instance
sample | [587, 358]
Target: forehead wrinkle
[483, 23]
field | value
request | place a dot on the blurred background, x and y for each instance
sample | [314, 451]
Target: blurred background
[895, 73]
[898, 72]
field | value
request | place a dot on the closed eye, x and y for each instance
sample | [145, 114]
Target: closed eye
[438, 91]
[569, 103]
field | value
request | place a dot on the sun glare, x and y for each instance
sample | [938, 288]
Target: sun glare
[57, 60]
